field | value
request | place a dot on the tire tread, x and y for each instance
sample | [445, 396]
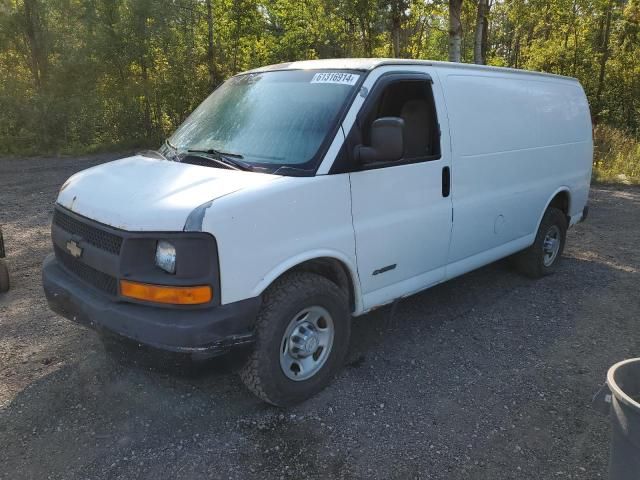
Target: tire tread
[529, 261]
[293, 284]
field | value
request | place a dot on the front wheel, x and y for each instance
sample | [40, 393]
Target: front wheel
[542, 257]
[302, 335]
[4, 277]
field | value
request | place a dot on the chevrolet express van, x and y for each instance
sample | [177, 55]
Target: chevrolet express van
[299, 195]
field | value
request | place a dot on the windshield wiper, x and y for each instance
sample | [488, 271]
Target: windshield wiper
[213, 151]
[229, 159]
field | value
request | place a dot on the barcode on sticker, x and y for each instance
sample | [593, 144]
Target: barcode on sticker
[335, 77]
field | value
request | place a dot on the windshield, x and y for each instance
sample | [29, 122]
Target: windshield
[270, 119]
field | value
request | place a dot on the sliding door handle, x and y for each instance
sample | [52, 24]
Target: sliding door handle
[446, 181]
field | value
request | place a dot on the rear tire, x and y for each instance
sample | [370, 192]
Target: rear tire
[543, 256]
[291, 363]
[4, 277]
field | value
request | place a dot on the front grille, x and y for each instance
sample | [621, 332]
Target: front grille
[98, 238]
[98, 279]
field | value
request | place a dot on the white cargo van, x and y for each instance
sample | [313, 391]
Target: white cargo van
[302, 194]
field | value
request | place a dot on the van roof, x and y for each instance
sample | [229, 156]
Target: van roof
[367, 64]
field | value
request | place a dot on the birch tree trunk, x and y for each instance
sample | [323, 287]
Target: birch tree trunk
[480, 34]
[455, 29]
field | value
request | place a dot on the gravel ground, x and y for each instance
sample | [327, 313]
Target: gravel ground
[487, 376]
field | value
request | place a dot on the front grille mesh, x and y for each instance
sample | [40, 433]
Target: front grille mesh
[98, 279]
[98, 238]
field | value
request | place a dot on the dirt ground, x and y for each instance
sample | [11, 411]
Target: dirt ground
[489, 376]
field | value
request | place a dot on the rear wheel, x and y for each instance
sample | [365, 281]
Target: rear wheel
[302, 335]
[543, 256]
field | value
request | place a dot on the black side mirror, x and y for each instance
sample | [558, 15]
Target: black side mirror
[387, 142]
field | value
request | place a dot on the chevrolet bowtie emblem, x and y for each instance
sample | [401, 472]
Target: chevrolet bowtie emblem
[74, 249]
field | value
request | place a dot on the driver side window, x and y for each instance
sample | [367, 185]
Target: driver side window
[396, 125]
[412, 101]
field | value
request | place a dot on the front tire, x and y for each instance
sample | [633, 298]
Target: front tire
[4, 277]
[542, 257]
[302, 336]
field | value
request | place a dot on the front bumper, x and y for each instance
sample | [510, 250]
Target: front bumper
[203, 331]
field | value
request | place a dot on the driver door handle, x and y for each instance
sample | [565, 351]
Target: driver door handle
[446, 181]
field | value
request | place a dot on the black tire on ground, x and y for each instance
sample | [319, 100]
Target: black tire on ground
[4, 277]
[282, 302]
[530, 262]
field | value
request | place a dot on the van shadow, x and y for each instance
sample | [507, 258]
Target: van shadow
[371, 333]
[447, 308]
[114, 401]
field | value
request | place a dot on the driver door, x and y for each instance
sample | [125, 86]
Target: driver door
[402, 209]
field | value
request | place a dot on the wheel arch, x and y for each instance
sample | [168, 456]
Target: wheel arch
[560, 199]
[331, 265]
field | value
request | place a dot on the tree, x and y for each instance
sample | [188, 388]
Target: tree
[80, 75]
[481, 33]
[34, 32]
[211, 60]
[398, 9]
[604, 52]
[455, 30]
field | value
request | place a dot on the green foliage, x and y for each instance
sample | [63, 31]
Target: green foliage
[617, 156]
[83, 75]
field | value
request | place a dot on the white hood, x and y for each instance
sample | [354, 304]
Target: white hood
[142, 193]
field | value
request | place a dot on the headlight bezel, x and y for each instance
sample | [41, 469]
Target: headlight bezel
[197, 262]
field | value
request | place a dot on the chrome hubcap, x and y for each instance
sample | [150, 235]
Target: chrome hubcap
[551, 245]
[306, 343]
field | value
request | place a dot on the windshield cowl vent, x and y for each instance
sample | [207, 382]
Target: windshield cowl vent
[203, 162]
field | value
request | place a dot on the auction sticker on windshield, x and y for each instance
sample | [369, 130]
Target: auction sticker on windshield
[335, 77]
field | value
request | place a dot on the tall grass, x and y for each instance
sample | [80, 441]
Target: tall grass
[616, 156]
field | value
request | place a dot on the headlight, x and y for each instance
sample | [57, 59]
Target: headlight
[166, 256]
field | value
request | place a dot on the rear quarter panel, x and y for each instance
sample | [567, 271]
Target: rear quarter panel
[516, 140]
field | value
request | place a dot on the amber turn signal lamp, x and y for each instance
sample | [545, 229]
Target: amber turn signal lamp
[165, 294]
